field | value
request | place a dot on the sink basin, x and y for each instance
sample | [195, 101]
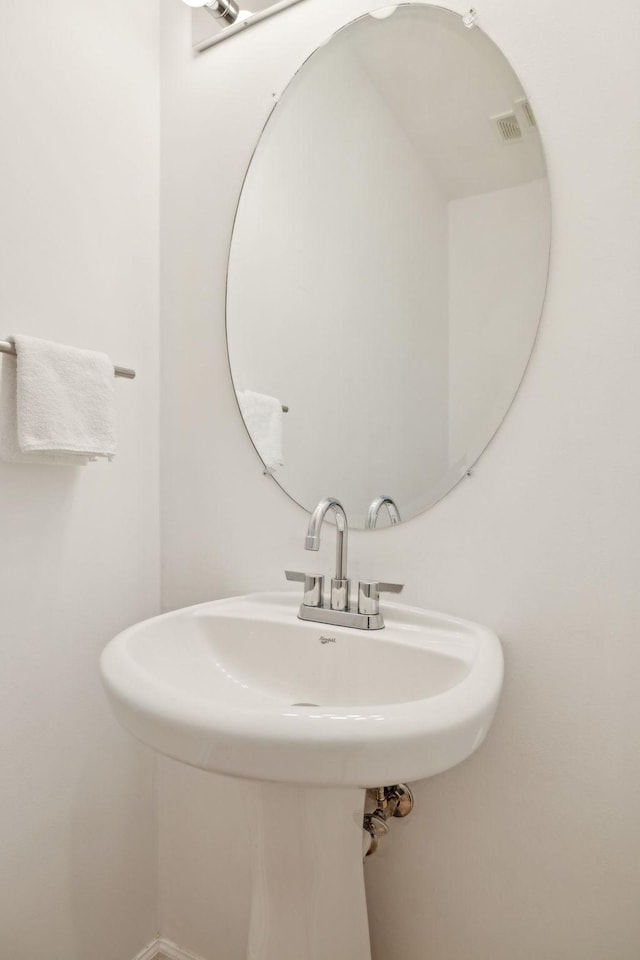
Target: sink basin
[242, 687]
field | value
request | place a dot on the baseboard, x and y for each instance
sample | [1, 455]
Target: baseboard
[165, 948]
[150, 952]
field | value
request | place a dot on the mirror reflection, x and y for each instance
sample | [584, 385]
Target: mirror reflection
[388, 264]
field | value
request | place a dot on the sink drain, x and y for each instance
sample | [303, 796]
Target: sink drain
[303, 704]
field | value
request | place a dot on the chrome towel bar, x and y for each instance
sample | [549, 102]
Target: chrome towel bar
[7, 347]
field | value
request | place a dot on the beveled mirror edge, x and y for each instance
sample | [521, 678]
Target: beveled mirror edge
[471, 464]
[205, 33]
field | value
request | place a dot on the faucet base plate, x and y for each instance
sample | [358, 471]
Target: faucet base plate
[342, 618]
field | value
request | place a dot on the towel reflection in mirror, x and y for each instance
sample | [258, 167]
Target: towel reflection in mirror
[262, 415]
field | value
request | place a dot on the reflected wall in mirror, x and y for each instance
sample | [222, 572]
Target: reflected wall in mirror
[389, 262]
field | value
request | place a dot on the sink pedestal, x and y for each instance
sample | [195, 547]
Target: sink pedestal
[308, 899]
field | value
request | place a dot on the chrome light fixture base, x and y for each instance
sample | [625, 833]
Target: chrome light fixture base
[208, 31]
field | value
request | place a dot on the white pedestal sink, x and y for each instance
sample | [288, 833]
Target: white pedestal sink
[312, 715]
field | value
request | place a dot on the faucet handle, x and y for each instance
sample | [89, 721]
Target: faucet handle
[313, 586]
[369, 595]
[391, 587]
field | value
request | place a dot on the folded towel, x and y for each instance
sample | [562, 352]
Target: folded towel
[9, 446]
[64, 403]
[263, 416]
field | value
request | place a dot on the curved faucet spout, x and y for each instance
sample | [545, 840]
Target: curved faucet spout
[374, 510]
[316, 520]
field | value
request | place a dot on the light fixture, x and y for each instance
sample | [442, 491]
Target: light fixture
[227, 10]
[215, 20]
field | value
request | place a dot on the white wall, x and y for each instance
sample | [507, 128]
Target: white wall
[530, 849]
[78, 547]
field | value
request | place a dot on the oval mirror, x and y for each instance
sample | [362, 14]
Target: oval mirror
[388, 263]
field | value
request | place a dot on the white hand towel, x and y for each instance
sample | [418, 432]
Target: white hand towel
[65, 401]
[263, 417]
[9, 446]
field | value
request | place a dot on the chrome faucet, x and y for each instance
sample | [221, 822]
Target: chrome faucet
[366, 616]
[374, 510]
[339, 583]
